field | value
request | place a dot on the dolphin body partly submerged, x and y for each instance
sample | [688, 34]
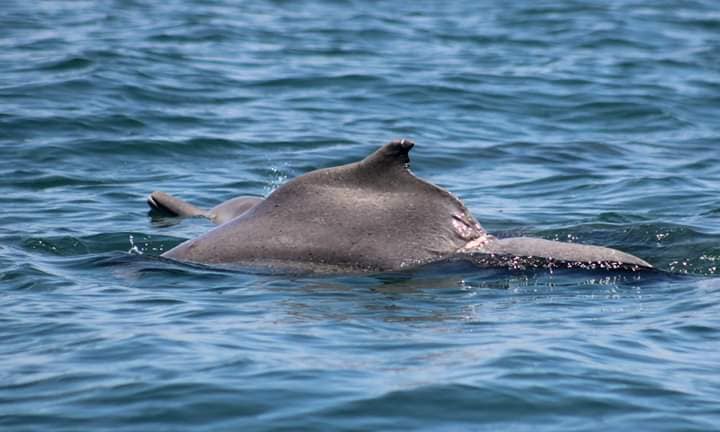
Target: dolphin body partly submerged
[374, 215]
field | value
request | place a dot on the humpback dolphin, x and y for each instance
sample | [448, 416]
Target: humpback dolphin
[369, 216]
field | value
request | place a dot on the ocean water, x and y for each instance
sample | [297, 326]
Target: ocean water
[592, 122]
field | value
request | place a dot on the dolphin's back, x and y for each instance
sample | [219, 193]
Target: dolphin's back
[370, 215]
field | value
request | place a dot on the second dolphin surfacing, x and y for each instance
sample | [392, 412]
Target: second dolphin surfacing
[369, 216]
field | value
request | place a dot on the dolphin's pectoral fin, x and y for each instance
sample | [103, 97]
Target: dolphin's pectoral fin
[521, 252]
[167, 204]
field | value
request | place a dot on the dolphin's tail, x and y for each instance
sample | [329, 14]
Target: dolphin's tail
[166, 203]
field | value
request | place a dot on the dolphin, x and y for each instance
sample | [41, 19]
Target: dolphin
[373, 215]
[230, 209]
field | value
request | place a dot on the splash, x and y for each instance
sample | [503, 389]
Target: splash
[278, 176]
[134, 250]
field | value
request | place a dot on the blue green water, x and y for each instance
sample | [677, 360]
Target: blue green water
[592, 122]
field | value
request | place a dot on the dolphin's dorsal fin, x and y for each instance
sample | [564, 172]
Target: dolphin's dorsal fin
[392, 154]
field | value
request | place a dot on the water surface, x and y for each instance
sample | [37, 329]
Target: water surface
[586, 122]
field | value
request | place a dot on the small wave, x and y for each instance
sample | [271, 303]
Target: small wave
[99, 243]
[32, 277]
[66, 64]
[320, 81]
[50, 181]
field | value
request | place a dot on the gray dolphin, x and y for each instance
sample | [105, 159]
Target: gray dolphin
[219, 214]
[369, 216]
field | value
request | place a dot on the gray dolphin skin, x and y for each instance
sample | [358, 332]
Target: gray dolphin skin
[374, 215]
